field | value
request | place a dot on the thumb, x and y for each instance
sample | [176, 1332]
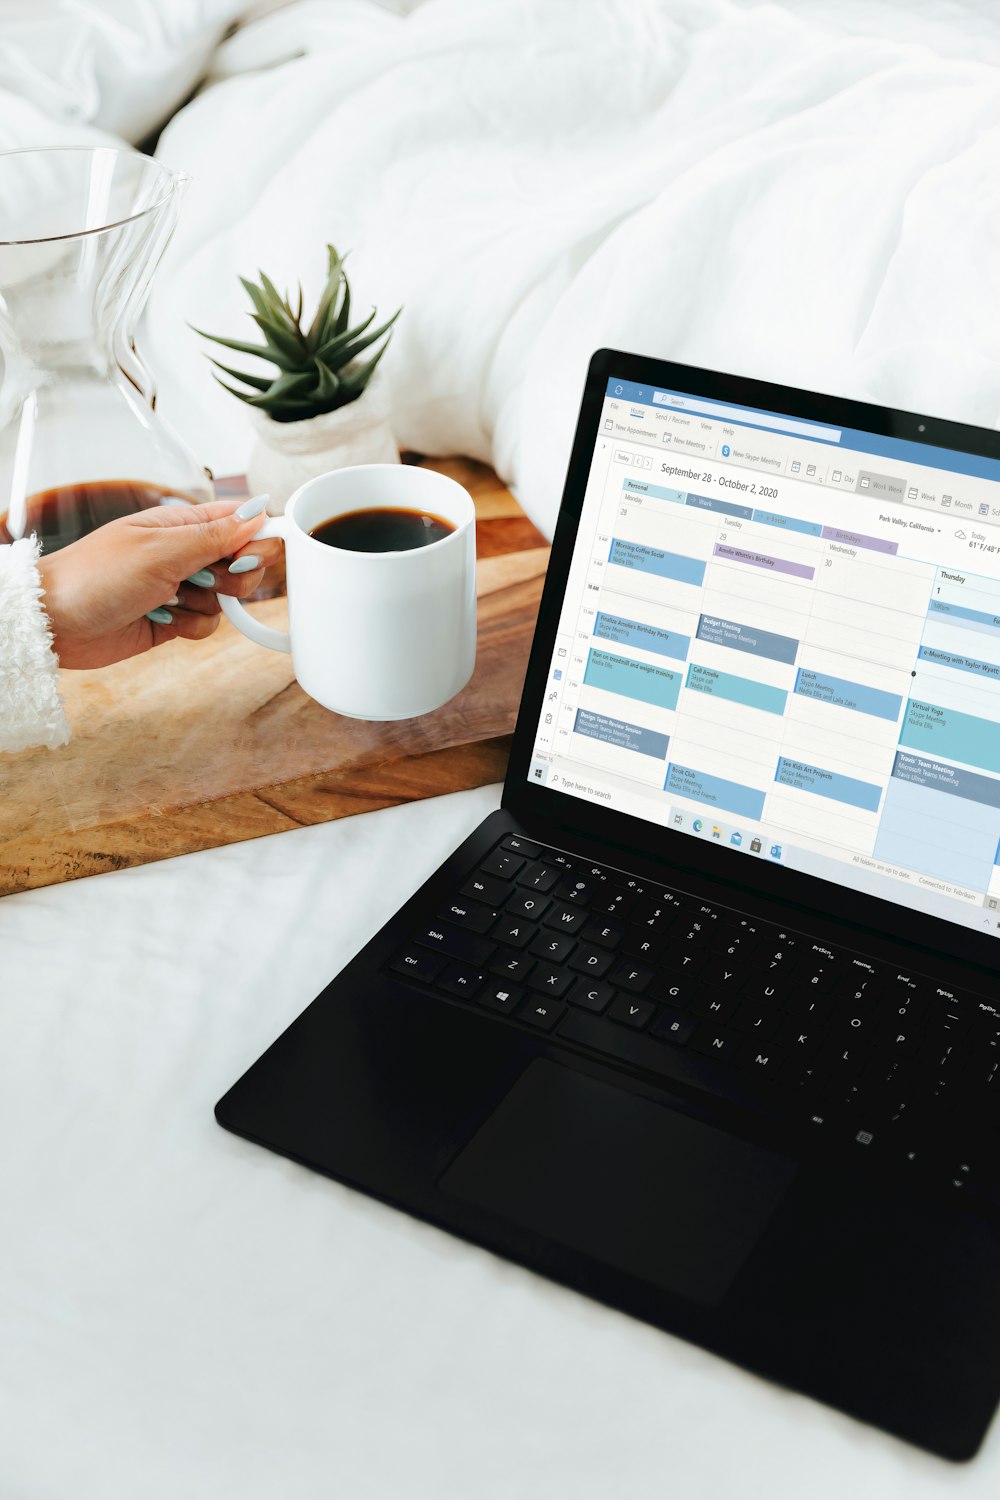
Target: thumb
[205, 535]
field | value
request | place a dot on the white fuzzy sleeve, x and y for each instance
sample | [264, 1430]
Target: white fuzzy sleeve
[31, 711]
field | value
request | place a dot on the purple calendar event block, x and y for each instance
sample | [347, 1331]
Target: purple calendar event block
[761, 560]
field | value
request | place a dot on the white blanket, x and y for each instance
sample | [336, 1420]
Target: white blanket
[724, 184]
[120, 65]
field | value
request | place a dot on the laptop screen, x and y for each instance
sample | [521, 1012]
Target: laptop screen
[783, 637]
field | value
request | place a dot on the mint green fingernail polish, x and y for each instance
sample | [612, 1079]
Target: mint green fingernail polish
[174, 600]
[203, 578]
[160, 616]
[245, 564]
[251, 508]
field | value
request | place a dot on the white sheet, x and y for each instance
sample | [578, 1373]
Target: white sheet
[184, 1314]
[731, 185]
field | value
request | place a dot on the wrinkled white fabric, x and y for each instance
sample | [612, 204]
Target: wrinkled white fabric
[123, 65]
[723, 184]
[31, 711]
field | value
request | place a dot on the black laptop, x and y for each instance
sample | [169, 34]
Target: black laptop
[705, 1021]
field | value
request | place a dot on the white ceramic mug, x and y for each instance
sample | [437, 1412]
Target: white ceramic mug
[375, 635]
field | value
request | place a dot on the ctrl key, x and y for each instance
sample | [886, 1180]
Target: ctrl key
[414, 963]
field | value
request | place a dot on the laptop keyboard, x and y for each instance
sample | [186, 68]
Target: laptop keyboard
[889, 1062]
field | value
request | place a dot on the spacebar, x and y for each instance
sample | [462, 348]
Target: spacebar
[659, 1057]
[627, 1046]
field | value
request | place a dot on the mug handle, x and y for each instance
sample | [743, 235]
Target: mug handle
[234, 611]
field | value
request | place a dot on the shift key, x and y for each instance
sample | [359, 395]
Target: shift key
[467, 946]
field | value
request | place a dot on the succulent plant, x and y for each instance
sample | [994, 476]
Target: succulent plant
[317, 368]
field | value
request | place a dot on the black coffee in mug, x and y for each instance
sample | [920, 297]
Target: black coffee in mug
[383, 528]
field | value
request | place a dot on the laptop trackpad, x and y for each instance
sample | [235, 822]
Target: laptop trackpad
[623, 1179]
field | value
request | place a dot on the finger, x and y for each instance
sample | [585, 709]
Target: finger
[244, 581]
[201, 601]
[267, 550]
[185, 625]
[182, 513]
[204, 535]
[243, 586]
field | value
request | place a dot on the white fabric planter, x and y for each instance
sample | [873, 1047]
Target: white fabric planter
[286, 454]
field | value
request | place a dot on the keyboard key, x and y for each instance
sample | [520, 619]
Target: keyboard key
[754, 1022]
[574, 889]
[714, 1041]
[715, 1005]
[674, 1026]
[502, 864]
[521, 846]
[805, 1005]
[852, 1023]
[604, 934]
[542, 1013]
[617, 902]
[774, 961]
[469, 914]
[550, 980]
[631, 1011]
[741, 937]
[761, 1057]
[633, 977]
[486, 888]
[456, 943]
[504, 997]
[528, 904]
[596, 997]
[819, 969]
[556, 857]
[538, 877]
[724, 974]
[677, 990]
[458, 980]
[417, 965]
[653, 914]
[595, 961]
[516, 932]
[647, 946]
[800, 1040]
[700, 924]
[565, 919]
[553, 946]
[771, 992]
[512, 965]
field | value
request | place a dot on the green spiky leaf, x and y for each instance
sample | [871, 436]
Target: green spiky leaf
[260, 350]
[356, 346]
[259, 382]
[332, 349]
[340, 325]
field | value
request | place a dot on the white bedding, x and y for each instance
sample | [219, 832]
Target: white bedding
[184, 1316]
[739, 186]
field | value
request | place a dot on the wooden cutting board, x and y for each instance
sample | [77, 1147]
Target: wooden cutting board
[199, 744]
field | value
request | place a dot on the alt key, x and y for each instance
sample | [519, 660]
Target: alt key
[542, 1013]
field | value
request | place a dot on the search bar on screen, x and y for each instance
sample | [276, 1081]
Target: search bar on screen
[752, 418]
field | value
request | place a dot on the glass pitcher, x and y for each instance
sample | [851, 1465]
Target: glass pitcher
[81, 233]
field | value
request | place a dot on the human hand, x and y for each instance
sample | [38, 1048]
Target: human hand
[99, 590]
